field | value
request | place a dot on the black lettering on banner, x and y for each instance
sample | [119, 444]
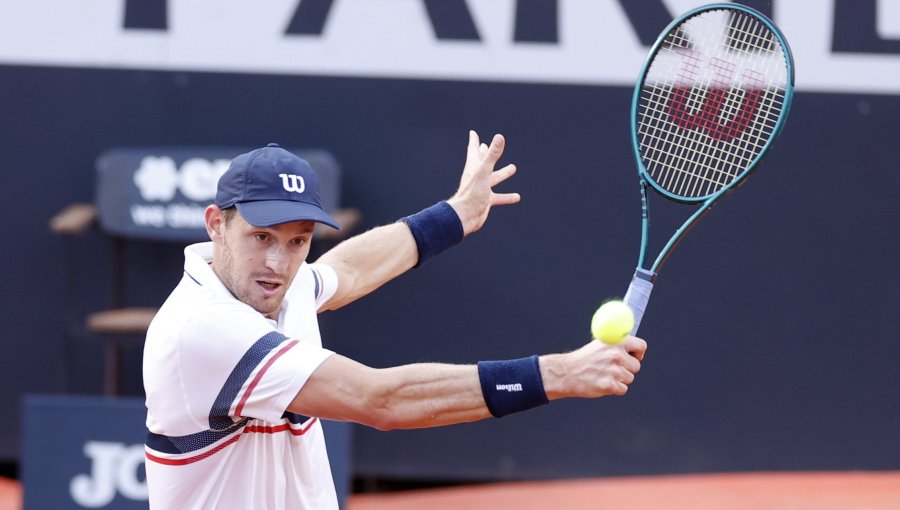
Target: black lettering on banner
[309, 17]
[146, 14]
[537, 21]
[855, 29]
[450, 19]
[650, 17]
[763, 6]
[647, 17]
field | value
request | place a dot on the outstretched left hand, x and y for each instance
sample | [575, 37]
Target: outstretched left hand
[475, 196]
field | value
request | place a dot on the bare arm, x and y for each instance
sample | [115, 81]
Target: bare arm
[408, 396]
[435, 394]
[369, 260]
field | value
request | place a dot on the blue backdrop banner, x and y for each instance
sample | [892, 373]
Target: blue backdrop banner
[88, 452]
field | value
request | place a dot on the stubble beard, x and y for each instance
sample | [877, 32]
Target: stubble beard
[230, 278]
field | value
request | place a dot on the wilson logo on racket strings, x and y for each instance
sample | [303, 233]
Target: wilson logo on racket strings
[709, 115]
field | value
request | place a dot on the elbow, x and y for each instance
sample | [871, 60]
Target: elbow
[380, 408]
[382, 415]
[384, 423]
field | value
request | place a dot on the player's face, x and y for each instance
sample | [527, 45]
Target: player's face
[257, 264]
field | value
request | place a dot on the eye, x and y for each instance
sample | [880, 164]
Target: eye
[261, 236]
[298, 241]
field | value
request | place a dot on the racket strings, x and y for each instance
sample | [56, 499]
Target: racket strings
[710, 101]
[686, 162]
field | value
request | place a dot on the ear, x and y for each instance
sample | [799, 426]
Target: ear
[214, 222]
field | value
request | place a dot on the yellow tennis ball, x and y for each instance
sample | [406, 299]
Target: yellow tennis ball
[612, 322]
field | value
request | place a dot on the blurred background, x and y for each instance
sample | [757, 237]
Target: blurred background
[773, 331]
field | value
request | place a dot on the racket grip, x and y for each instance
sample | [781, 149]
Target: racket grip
[638, 295]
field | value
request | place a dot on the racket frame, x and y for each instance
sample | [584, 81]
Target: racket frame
[706, 201]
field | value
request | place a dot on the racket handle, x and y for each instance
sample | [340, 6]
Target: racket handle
[638, 295]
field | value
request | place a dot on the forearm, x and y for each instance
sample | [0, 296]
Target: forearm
[409, 396]
[369, 260]
[433, 394]
[430, 395]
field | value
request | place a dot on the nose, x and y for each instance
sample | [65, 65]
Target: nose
[277, 260]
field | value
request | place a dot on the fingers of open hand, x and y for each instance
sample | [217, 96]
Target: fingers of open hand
[474, 150]
[481, 158]
[498, 177]
[505, 199]
[475, 196]
[480, 169]
[483, 152]
[502, 174]
[493, 153]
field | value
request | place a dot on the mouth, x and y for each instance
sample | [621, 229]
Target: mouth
[269, 287]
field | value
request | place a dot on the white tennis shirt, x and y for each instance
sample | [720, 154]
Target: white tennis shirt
[219, 377]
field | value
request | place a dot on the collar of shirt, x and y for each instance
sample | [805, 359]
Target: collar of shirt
[197, 260]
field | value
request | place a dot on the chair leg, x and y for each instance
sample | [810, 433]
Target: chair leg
[112, 367]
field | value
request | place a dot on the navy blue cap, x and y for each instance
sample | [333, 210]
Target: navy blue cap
[271, 186]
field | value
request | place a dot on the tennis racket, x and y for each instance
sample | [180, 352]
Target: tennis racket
[712, 97]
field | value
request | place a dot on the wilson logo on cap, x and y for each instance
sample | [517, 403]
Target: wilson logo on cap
[293, 183]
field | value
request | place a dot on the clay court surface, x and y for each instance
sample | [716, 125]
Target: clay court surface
[762, 491]
[767, 491]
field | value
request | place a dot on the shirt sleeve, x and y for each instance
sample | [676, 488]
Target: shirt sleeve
[326, 283]
[235, 365]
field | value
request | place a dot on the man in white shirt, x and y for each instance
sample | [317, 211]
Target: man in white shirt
[234, 370]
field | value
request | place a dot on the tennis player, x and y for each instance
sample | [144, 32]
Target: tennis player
[234, 370]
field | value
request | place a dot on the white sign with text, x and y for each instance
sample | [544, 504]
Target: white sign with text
[594, 41]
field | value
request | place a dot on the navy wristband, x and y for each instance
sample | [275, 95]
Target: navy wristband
[435, 230]
[511, 386]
